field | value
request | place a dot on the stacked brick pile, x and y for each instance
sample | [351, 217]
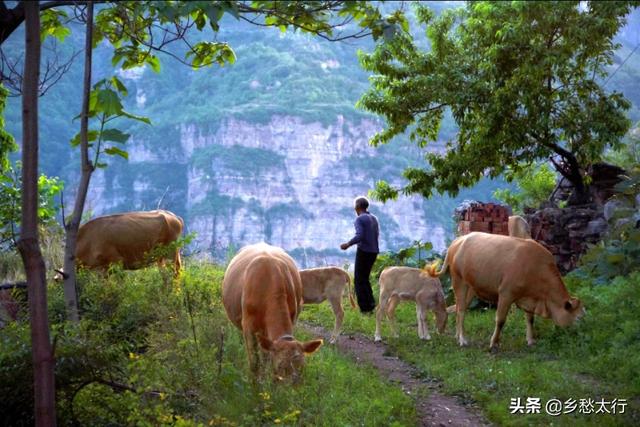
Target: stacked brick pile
[486, 217]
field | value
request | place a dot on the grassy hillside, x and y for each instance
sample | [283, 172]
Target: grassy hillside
[151, 352]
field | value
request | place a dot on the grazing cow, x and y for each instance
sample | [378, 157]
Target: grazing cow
[507, 270]
[518, 227]
[262, 295]
[406, 283]
[127, 238]
[327, 283]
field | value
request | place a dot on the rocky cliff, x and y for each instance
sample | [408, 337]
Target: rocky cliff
[286, 182]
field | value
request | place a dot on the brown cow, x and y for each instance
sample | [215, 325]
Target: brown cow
[262, 295]
[507, 270]
[518, 227]
[127, 238]
[406, 283]
[327, 283]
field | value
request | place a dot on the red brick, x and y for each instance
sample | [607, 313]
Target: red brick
[479, 226]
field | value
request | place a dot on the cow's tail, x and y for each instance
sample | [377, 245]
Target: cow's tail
[350, 290]
[431, 268]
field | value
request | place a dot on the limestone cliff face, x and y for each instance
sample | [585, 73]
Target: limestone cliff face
[286, 182]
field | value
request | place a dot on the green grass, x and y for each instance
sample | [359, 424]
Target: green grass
[597, 358]
[152, 352]
[176, 360]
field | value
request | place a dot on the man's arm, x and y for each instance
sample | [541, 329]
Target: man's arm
[359, 232]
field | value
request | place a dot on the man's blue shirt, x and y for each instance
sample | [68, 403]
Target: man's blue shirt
[367, 233]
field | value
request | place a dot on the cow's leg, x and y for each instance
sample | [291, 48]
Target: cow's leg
[530, 338]
[461, 291]
[253, 353]
[391, 314]
[501, 316]
[336, 305]
[419, 317]
[380, 312]
[421, 312]
[177, 263]
[470, 295]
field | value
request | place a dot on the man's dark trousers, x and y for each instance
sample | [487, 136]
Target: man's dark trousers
[364, 294]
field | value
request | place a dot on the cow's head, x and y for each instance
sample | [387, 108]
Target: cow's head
[287, 355]
[441, 318]
[572, 310]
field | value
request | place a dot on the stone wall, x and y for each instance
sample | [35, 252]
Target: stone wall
[567, 232]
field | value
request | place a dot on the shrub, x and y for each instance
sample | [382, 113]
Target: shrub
[534, 183]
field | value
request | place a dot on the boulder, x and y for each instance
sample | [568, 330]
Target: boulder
[596, 227]
[611, 207]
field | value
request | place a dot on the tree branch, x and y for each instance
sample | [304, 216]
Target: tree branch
[10, 19]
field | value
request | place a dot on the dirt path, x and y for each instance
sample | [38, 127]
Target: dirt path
[433, 407]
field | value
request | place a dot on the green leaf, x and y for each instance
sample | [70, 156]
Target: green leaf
[154, 63]
[51, 26]
[383, 191]
[115, 151]
[136, 117]
[115, 135]
[615, 258]
[120, 87]
[92, 135]
[206, 53]
[109, 102]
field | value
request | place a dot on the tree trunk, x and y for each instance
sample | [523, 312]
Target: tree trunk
[571, 170]
[29, 246]
[580, 194]
[70, 292]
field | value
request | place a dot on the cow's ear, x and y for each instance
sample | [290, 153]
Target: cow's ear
[310, 347]
[265, 342]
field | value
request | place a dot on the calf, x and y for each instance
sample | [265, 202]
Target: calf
[405, 283]
[262, 296]
[507, 270]
[327, 283]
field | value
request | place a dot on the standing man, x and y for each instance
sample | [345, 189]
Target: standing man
[367, 233]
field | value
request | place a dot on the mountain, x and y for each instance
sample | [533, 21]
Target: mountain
[269, 148]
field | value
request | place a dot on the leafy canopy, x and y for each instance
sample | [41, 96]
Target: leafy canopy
[522, 81]
[140, 29]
